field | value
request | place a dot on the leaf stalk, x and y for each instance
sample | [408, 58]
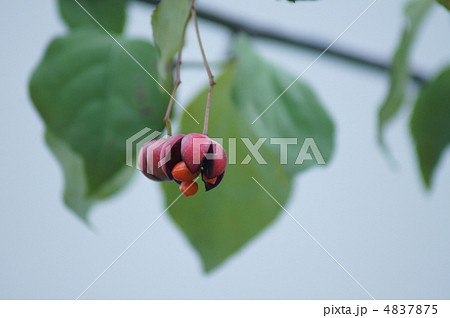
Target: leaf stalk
[177, 73]
[208, 71]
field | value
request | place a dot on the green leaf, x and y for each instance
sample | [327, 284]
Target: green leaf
[93, 96]
[297, 113]
[415, 12]
[445, 3]
[221, 221]
[75, 179]
[111, 14]
[75, 192]
[430, 124]
[168, 22]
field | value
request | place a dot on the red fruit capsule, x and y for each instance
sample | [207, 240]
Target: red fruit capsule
[188, 188]
[181, 173]
[193, 149]
[216, 161]
[211, 181]
[148, 160]
[171, 154]
[201, 153]
[183, 157]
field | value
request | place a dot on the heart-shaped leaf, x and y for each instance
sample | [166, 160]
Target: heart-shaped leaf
[221, 221]
[93, 97]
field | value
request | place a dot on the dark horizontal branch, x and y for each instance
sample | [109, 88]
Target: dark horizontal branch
[299, 41]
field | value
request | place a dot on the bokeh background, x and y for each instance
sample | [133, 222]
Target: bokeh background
[376, 219]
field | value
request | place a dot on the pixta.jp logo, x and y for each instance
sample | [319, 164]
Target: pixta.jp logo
[309, 151]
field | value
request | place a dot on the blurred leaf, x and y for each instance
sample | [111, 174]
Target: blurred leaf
[168, 21]
[430, 124]
[297, 113]
[93, 96]
[445, 3]
[74, 176]
[75, 192]
[111, 14]
[221, 221]
[415, 12]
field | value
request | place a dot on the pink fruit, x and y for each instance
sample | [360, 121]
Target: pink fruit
[198, 154]
[148, 160]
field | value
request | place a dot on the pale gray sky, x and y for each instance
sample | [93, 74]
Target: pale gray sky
[377, 221]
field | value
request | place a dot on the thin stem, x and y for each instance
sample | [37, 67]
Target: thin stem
[208, 71]
[304, 42]
[177, 74]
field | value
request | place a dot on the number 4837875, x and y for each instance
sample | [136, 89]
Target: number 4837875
[411, 309]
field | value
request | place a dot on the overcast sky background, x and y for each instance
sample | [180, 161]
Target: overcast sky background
[379, 222]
